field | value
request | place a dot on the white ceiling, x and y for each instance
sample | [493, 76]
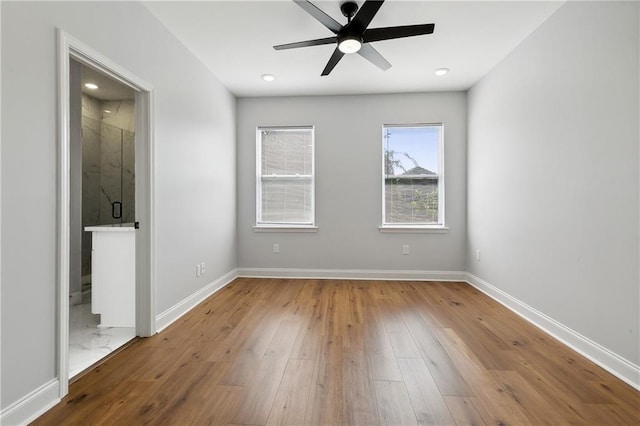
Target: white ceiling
[235, 40]
[108, 88]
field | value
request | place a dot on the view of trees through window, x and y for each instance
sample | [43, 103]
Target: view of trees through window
[412, 175]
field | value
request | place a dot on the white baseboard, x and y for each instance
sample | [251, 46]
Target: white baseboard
[169, 316]
[613, 363]
[31, 406]
[352, 274]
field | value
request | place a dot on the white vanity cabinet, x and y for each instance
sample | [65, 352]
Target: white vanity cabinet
[113, 274]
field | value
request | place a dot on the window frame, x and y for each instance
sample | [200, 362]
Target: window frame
[264, 226]
[440, 226]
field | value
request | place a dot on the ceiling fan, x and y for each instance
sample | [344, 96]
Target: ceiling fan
[354, 36]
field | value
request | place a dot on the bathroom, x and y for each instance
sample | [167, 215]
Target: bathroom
[102, 193]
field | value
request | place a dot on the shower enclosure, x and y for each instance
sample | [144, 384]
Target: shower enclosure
[108, 179]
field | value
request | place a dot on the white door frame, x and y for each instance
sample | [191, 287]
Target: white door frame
[70, 48]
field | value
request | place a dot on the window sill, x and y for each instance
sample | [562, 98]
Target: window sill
[406, 229]
[285, 229]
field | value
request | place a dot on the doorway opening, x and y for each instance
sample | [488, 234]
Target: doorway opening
[105, 182]
[102, 168]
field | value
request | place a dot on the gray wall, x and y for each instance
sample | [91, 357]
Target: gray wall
[348, 149]
[553, 173]
[194, 174]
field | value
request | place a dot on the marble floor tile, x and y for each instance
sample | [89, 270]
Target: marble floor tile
[89, 343]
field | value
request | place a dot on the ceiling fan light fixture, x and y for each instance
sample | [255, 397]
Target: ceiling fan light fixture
[351, 37]
[350, 44]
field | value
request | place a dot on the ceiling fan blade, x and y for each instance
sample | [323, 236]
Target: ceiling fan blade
[333, 61]
[316, 42]
[372, 55]
[388, 33]
[366, 13]
[320, 16]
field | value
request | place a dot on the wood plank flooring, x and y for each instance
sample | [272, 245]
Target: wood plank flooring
[319, 352]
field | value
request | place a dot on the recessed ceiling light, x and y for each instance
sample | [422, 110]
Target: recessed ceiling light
[91, 86]
[441, 71]
[107, 111]
[268, 77]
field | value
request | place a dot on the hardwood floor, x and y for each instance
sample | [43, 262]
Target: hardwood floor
[272, 352]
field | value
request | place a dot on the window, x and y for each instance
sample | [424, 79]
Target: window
[413, 190]
[285, 177]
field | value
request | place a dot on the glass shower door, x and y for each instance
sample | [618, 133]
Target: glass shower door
[108, 179]
[117, 200]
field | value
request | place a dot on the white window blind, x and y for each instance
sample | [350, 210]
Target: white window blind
[413, 178]
[285, 176]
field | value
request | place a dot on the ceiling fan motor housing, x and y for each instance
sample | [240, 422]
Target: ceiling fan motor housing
[349, 9]
[349, 38]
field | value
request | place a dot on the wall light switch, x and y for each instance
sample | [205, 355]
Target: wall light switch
[405, 249]
[478, 255]
[276, 248]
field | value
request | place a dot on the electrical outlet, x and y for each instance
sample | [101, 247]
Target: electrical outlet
[202, 268]
[405, 249]
[276, 248]
[478, 255]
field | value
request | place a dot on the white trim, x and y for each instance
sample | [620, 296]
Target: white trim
[1, 213]
[352, 274]
[623, 369]
[69, 47]
[64, 173]
[32, 405]
[145, 213]
[398, 229]
[168, 317]
[638, 235]
[264, 228]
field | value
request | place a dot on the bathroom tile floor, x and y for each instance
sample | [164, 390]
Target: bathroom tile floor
[89, 343]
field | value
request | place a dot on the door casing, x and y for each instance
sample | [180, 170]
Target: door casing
[71, 48]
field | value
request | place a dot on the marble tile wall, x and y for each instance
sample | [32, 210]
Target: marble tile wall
[128, 177]
[91, 183]
[111, 171]
[91, 107]
[117, 173]
[121, 115]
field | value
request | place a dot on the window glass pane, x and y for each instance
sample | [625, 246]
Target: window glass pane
[286, 152]
[411, 150]
[412, 174]
[286, 201]
[411, 200]
[285, 172]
